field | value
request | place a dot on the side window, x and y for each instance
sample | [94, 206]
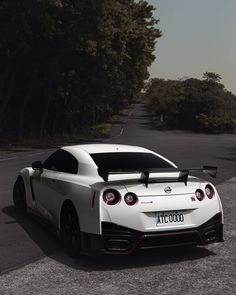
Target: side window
[62, 161]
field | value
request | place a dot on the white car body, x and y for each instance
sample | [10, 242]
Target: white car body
[167, 211]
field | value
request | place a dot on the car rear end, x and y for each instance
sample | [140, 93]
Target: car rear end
[146, 202]
[135, 216]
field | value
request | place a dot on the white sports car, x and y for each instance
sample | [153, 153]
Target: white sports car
[114, 199]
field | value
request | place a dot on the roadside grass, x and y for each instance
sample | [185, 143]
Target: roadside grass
[83, 135]
[92, 133]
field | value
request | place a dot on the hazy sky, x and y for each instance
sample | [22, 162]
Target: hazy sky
[198, 36]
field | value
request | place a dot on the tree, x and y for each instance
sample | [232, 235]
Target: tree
[211, 77]
[67, 64]
[199, 105]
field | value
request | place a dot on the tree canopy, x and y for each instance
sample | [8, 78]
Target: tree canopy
[68, 64]
[199, 105]
[211, 77]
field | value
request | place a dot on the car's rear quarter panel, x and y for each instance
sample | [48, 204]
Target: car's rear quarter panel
[77, 189]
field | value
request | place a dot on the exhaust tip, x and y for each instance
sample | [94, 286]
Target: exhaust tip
[118, 245]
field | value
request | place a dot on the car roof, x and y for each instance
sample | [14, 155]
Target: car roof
[82, 152]
[105, 148]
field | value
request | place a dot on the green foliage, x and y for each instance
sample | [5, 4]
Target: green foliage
[164, 97]
[213, 77]
[66, 64]
[216, 124]
[200, 105]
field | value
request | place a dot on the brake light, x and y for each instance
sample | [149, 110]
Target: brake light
[209, 190]
[111, 197]
[199, 194]
[130, 199]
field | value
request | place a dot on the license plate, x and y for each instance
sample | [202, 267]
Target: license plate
[169, 218]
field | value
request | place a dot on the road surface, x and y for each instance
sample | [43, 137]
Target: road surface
[32, 261]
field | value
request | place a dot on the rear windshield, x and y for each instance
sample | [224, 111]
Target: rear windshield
[130, 161]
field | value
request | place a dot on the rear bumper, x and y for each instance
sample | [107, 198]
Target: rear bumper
[117, 239]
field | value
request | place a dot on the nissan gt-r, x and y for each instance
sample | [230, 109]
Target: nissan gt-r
[115, 199]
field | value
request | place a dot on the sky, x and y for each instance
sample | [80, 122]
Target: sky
[197, 36]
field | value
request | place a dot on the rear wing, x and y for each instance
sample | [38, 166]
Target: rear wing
[145, 174]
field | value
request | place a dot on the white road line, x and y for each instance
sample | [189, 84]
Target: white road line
[122, 128]
[8, 159]
[118, 135]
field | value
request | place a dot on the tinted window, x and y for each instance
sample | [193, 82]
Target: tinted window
[62, 161]
[131, 161]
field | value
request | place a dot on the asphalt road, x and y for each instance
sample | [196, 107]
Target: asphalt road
[32, 262]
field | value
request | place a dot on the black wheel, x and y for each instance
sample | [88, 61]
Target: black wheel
[19, 196]
[70, 231]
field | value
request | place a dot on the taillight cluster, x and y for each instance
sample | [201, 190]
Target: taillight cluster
[209, 192]
[113, 197]
[130, 199]
[199, 194]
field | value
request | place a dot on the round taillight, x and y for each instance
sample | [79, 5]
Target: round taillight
[130, 199]
[111, 197]
[209, 190]
[199, 194]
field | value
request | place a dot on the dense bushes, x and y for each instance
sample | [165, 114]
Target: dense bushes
[199, 105]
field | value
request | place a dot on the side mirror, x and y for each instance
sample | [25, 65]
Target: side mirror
[37, 165]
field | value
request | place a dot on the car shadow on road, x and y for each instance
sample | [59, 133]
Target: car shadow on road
[51, 247]
[44, 239]
[140, 259]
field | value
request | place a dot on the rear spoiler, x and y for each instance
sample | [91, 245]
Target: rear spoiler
[145, 173]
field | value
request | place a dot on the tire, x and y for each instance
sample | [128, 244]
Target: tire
[70, 231]
[19, 195]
